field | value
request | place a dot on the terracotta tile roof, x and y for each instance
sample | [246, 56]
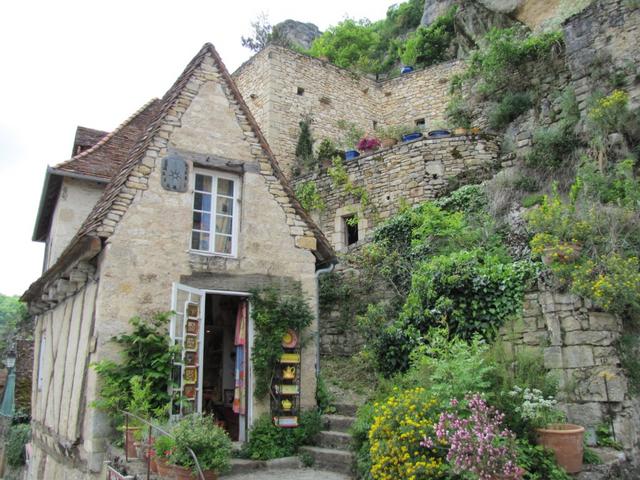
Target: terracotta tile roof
[106, 156]
[85, 139]
[89, 229]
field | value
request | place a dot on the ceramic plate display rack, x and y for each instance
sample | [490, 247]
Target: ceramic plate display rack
[285, 387]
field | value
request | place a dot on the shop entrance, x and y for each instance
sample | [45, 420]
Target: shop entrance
[211, 374]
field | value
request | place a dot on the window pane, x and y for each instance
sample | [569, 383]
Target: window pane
[225, 187]
[223, 224]
[223, 244]
[203, 183]
[201, 221]
[202, 201]
[224, 205]
[178, 326]
[200, 241]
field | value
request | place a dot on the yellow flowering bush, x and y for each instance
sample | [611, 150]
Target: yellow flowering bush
[400, 424]
[608, 112]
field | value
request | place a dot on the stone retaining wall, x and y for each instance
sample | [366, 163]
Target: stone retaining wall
[408, 173]
[283, 87]
[579, 345]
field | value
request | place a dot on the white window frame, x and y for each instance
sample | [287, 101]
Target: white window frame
[235, 217]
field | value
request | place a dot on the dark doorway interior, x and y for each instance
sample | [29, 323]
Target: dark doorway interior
[218, 378]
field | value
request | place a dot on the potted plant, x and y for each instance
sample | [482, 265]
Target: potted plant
[326, 151]
[351, 135]
[162, 449]
[564, 439]
[390, 136]
[439, 130]
[368, 144]
[210, 444]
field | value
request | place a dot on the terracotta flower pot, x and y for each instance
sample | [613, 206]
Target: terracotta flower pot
[566, 441]
[388, 142]
[183, 473]
[164, 469]
[130, 441]
[460, 131]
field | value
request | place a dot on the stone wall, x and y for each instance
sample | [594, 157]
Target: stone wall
[407, 173]
[24, 373]
[283, 87]
[579, 345]
[601, 40]
[76, 199]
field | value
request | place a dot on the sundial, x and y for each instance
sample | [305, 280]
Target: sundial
[175, 173]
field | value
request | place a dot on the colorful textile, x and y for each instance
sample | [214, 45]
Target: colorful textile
[239, 394]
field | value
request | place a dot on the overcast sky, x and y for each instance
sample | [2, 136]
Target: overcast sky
[68, 63]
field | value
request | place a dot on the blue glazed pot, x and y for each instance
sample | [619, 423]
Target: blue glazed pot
[439, 133]
[411, 136]
[351, 154]
[404, 70]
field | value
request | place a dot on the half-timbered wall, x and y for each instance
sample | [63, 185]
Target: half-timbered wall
[63, 347]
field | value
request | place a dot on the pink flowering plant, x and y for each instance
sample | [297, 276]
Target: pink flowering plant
[478, 443]
[368, 143]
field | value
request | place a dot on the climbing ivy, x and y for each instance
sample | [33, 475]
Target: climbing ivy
[274, 312]
[310, 199]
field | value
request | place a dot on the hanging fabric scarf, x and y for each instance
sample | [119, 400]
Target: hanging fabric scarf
[240, 343]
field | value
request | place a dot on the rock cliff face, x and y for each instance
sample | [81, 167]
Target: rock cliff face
[473, 19]
[296, 33]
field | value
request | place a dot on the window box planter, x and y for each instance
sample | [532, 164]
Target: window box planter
[406, 69]
[439, 133]
[351, 154]
[409, 137]
[566, 441]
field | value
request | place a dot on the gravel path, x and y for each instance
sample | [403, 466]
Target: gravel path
[306, 474]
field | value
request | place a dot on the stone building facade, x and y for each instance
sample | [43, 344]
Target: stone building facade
[134, 254]
[283, 87]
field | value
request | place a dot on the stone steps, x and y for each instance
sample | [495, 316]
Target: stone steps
[336, 440]
[337, 423]
[331, 459]
[347, 410]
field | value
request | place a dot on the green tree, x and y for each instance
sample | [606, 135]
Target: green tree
[12, 313]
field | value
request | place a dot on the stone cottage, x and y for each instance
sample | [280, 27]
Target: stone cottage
[183, 207]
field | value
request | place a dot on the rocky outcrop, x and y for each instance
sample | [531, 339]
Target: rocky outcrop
[296, 33]
[473, 21]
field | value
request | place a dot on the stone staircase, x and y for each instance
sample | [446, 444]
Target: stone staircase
[332, 451]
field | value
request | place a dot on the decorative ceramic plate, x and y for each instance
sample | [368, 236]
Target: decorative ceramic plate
[290, 339]
[191, 358]
[191, 342]
[193, 310]
[286, 422]
[290, 358]
[192, 326]
[190, 375]
[189, 391]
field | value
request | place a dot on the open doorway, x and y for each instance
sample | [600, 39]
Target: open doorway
[224, 362]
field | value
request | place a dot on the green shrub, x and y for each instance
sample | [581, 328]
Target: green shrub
[326, 150]
[324, 399]
[210, 443]
[450, 368]
[510, 107]
[504, 54]
[146, 354]
[532, 200]
[309, 197]
[539, 463]
[304, 147]
[360, 435]
[458, 112]
[429, 45]
[274, 313]
[467, 199]
[17, 437]
[552, 147]
[266, 441]
[470, 291]
[163, 446]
